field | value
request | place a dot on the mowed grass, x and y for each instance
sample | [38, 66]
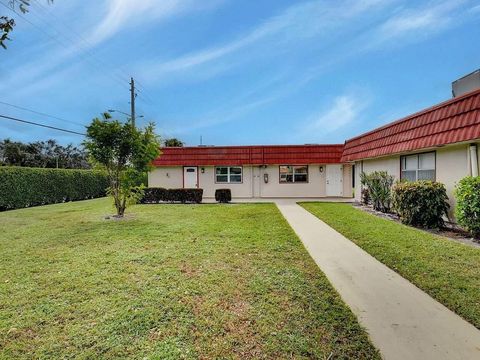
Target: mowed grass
[170, 282]
[448, 271]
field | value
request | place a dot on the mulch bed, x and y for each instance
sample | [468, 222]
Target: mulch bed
[451, 230]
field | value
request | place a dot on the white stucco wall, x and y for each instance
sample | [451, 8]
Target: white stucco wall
[389, 164]
[172, 177]
[166, 177]
[452, 164]
[314, 188]
[207, 183]
[347, 180]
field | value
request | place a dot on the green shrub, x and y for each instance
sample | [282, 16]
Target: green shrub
[365, 194]
[223, 195]
[421, 203]
[467, 210]
[22, 187]
[157, 195]
[379, 185]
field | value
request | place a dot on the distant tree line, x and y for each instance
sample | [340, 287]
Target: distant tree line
[42, 154]
[173, 142]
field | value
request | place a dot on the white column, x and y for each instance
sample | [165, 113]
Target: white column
[474, 160]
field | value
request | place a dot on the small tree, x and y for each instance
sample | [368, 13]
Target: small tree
[126, 153]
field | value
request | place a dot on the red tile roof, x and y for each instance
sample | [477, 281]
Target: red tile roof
[452, 121]
[250, 155]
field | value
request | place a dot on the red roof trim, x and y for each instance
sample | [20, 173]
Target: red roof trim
[452, 121]
[250, 155]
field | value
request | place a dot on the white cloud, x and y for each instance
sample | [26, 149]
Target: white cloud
[417, 23]
[475, 9]
[125, 14]
[118, 16]
[301, 21]
[344, 110]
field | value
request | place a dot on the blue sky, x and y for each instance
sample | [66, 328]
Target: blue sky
[236, 72]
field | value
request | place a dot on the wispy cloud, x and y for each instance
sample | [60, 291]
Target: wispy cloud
[343, 110]
[400, 25]
[418, 23]
[118, 16]
[302, 21]
[122, 15]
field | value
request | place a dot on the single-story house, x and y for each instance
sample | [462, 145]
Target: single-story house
[440, 143]
[309, 171]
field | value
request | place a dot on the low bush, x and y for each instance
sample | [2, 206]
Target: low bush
[223, 195]
[467, 210]
[421, 203]
[22, 187]
[379, 185]
[157, 195]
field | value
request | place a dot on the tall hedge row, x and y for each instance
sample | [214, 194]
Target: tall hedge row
[22, 187]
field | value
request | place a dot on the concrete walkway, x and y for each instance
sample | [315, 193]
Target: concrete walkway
[403, 321]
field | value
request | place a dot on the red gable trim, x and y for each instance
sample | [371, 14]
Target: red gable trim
[452, 121]
[250, 155]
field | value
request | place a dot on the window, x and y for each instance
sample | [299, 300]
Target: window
[293, 174]
[228, 174]
[418, 167]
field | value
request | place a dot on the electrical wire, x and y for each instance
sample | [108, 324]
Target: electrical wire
[41, 125]
[41, 113]
[62, 43]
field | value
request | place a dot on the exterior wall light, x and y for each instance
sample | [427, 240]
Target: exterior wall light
[265, 178]
[321, 169]
[203, 170]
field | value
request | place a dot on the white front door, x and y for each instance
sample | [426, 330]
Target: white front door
[190, 177]
[334, 178]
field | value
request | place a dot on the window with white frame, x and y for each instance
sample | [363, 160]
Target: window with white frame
[293, 174]
[418, 167]
[228, 174]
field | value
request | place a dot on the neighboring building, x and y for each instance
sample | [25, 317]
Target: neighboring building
[310, 171]
[441, 143]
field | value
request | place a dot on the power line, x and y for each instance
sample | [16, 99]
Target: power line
[41, 125]
[74, 33]
[64, 44]
[89, 56]
[41, 113]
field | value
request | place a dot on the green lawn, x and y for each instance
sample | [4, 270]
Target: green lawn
[448, 271]
[172, 281]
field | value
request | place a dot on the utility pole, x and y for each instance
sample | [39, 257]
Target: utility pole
[132, 100]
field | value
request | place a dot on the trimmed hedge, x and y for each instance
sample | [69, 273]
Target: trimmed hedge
[467, 210]
[223, 195]
[421, 203]
[157, 195]
[22, 187]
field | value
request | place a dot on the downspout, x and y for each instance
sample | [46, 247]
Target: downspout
[474, 159]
